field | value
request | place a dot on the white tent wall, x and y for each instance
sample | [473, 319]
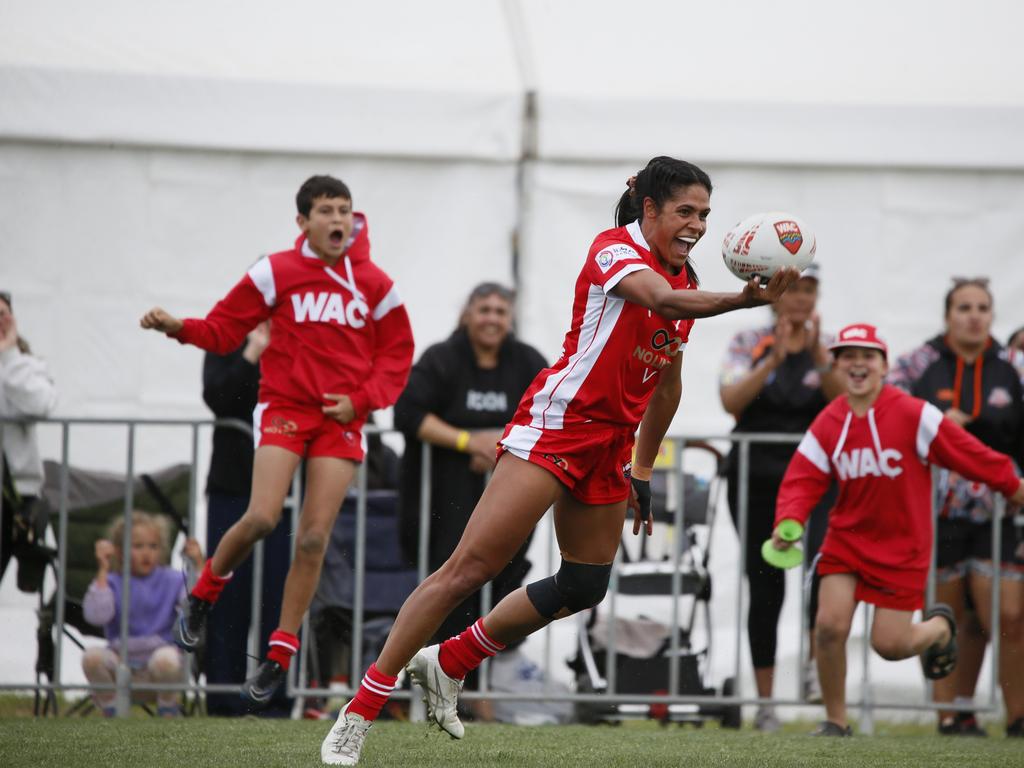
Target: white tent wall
[389, 79]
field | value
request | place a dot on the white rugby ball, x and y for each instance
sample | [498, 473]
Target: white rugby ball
[762, 244]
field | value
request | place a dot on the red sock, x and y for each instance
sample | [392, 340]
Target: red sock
[209, 585]
[283, 645]
[462, 654]
[373, 693]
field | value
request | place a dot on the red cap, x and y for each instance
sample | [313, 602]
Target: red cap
[860, 335]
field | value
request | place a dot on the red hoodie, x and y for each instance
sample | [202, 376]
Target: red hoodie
[339, 330]
[882, 521]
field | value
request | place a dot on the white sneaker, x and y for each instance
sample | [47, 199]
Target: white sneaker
[344, 742]
[812, 685]
[441, 692]
[766, 720]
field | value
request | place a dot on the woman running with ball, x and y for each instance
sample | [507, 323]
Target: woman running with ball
[569, 445]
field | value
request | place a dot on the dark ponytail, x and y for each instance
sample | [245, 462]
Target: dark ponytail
[659, 180]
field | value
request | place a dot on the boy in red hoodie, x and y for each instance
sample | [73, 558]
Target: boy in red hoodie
[341, 347]
[878, 443]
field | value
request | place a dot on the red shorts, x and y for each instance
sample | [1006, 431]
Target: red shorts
[872, 590]
[591, 462]
[307, 431]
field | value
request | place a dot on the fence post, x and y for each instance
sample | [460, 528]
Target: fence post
[417, 709]
[123, 701]
[742, 500]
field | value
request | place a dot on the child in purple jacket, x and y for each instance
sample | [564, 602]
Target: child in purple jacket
[156, 591]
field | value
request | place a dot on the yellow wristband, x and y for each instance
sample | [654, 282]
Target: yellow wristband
[641, 473]
[462, 441]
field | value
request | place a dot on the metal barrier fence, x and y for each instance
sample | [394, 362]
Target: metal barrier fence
[297, 680]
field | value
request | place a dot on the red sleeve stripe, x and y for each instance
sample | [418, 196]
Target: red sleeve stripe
[811, 450]
[927, 429]
[262, 277]
[391, 301]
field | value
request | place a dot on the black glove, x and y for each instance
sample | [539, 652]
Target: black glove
[642, 508]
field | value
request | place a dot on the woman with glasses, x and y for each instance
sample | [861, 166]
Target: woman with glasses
[977, 383]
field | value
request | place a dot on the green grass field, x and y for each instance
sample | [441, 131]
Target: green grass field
[252, 743]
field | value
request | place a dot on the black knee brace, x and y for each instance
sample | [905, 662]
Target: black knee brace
[576, 586]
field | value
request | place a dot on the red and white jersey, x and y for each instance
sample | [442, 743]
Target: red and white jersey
[614, 351]
[339, 330]
[882, 520]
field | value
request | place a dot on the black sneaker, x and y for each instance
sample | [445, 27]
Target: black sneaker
[1016, 728]
[828, 728]
[961, 724]
[969, 725]
[267, 678]
[190, 628]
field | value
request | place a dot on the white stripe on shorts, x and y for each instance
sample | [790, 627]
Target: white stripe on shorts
[257, 419]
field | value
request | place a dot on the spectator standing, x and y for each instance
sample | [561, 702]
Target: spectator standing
[1016, 340]
[979, 384]
[775, 379]
[27, 391]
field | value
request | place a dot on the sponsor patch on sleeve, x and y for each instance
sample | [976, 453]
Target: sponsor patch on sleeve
[613, 253]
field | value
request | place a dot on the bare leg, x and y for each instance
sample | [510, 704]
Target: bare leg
[586, 533]
[327, 481]
[836, 605]
[764, 678]
[1011, 640]
[950, 592]
[166, 665]
[516, 498]
[100, 666]
[272, 471]
[972, 643]
[894, 636]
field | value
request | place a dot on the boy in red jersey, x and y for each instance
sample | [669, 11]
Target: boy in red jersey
[341, 347]
[568, 446]
[878, 443]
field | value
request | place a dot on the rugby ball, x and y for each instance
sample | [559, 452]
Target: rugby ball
[762, 244]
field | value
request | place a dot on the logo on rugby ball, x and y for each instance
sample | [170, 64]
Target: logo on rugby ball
[789, 235]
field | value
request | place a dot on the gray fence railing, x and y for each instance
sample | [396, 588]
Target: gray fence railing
[298, 685]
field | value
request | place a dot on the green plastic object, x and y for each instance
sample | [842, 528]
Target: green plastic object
[781, 558]
[790, 530]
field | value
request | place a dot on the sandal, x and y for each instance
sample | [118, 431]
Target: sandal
[939, 660]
